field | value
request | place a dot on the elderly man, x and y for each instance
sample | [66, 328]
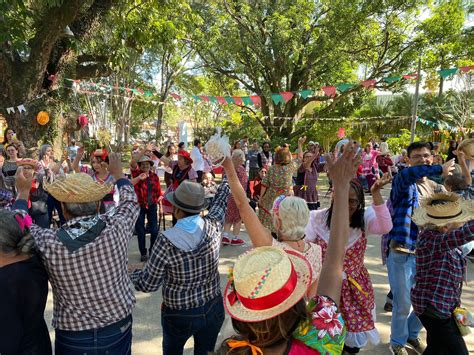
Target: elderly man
[86, 260]
[185, 261]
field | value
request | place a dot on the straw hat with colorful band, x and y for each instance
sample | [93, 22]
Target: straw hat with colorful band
[266, 282]
[185, 155]
[77, 188]
[29, 162]
[442, 209]
[467, 146]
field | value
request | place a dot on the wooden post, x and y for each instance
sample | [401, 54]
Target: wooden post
[415, 102]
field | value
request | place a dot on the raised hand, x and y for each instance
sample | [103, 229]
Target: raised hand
[301, 141]
[80, 152]
[344, 168]
[448, 168]
[381, 182]
[115, 166]
[23, 183]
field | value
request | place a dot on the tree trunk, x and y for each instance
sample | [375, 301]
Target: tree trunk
[441, 84]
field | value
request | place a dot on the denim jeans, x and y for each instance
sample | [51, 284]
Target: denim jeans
[443, 336]
[114, 339]
[151, 214]
[202, 323]
[401, 276]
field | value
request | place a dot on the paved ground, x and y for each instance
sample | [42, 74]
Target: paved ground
[147, 329]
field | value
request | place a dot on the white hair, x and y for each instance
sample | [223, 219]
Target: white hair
[293, 213]
[238, 156]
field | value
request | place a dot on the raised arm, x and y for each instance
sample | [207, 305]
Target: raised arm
[464, 169]
[342, 171]
[258, 234]
[300, 147]
[456, 237]
[77, 160]
[410, 175]
[136, 158]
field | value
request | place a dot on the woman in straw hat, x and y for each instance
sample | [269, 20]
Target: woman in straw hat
[99, 171]
[357, 299]
[278, 181]
[290, 217]
[265, 296]
[447, 223]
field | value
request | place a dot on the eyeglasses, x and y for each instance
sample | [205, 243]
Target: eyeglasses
[420, 156]
[353, 202]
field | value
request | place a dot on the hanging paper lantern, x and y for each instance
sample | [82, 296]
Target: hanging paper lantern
[42, 118]
[82, 120]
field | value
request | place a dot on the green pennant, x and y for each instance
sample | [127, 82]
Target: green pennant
[148, 94]
[344, 87]
[392, 79]
[246, 100]
[277, 99]
[213, 99]
[306, 93]
[447, 72]
[196, 98]
[229, 100]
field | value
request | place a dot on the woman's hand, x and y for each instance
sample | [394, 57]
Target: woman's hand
[381, 182]
[344, 168]
[301, 141]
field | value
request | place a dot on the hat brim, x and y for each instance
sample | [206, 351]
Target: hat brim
[241, 313]
[64, 191]
[172, 200]
[146, 161]
[421, 218]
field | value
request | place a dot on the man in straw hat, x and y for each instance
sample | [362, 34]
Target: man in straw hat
[408, 185]
[86, 260]
[185, 261]
[447, 223]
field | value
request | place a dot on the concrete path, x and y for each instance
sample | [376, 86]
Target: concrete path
[147, 334]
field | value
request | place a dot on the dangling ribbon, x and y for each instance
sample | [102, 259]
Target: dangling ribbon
[234, 344]
[23, 222]
[304, 187]
[357, 285]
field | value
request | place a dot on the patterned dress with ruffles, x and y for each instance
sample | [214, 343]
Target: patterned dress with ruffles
[232, 214]
[357, 295]
[278, 181]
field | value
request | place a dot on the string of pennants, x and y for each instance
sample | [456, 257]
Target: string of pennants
[92, 88]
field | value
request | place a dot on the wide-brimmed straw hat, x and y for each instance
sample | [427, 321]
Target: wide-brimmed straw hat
[77, 188]
[441, 209]
[189, 197]
[467, 146]
[266, 282]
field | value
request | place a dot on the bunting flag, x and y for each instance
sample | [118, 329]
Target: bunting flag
[392, 79]
[306, 93]
[246, 100]
[21, 108]
[369, 83]
[466, 68]
[213, 99]
[447, 72]
[221, 100]
[197, 98]
[257, 101]
[286, 95]
[410, 76]
[10, 110]
[277, 99]
[204, 98]
[229, 100]
[344, 87]
[329, 91]
[238, 100]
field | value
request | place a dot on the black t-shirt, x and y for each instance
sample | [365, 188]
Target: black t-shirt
[24, 290]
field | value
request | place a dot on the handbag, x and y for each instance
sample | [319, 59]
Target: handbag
[464, 320]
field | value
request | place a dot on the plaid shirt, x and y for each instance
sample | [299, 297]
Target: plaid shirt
[91, 286]
[439, 270]
[141, 187]
[190, 279]
[404, 199]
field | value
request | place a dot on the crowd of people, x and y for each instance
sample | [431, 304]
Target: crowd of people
[302, 289]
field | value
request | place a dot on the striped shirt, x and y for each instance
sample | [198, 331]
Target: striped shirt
[190, 279]
[404, 199]
[440, 268]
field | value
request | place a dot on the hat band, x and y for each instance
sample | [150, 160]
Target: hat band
[184, 205]
[444, 217]
[268, 301]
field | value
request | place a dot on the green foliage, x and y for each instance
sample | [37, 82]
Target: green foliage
[396, 144]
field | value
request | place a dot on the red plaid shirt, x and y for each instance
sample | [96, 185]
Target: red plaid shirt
[141, 188]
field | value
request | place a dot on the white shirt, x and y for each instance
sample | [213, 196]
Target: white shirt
[198, 161]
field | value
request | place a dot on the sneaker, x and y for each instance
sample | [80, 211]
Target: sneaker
[237, 241]
[417, 344]
[225, 239]
[143, 258]
[398, 350]
[387, 307]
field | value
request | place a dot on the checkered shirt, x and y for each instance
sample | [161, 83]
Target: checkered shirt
[91, 286]
[189, 279]
[440, 269]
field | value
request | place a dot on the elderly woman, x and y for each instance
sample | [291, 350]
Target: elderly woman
[24, 285]
[232, 215]
[278, 181]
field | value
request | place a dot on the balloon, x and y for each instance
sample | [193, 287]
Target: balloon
[42, 118]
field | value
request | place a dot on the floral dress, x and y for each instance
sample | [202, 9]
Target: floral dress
[357, 295]
[232, 214]
[278, 181]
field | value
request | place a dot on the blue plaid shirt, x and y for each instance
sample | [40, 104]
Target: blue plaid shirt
[404, 199]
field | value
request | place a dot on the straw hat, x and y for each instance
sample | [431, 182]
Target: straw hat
[146, 158]
[29, 162]
[77, 188]
[189, 197]
[441, 209]
[467, 146]
[266, 282]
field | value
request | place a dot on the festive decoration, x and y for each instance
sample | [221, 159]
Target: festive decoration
[341, 132]
[204, 98]
[344, 87]
[237, 100]
[286, 95]
[466, 68]
[369, 83]
[447, 72]
[82, 120]
[410, 76]
[392, 79]
[42, 118]
[306, 93]
[277, 99]
[10, 110]
[257, 101]
[329, 91]
[175, 96]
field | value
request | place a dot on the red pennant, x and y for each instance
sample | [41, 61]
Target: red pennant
[410, 76]
[368, 83]
[257, 101]
[287, 95]
[329, 91]
[466, 68]
[221, 100]
[175, 96]
[204, 98]
[238, 100]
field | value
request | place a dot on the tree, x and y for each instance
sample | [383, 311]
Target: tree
[269, 47]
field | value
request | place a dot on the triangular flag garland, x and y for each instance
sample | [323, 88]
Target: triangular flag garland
[329, 91]
[277, 99]
[369, 83]
[447, 72]
[306, 93]
[392, 79]
[344, 87]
